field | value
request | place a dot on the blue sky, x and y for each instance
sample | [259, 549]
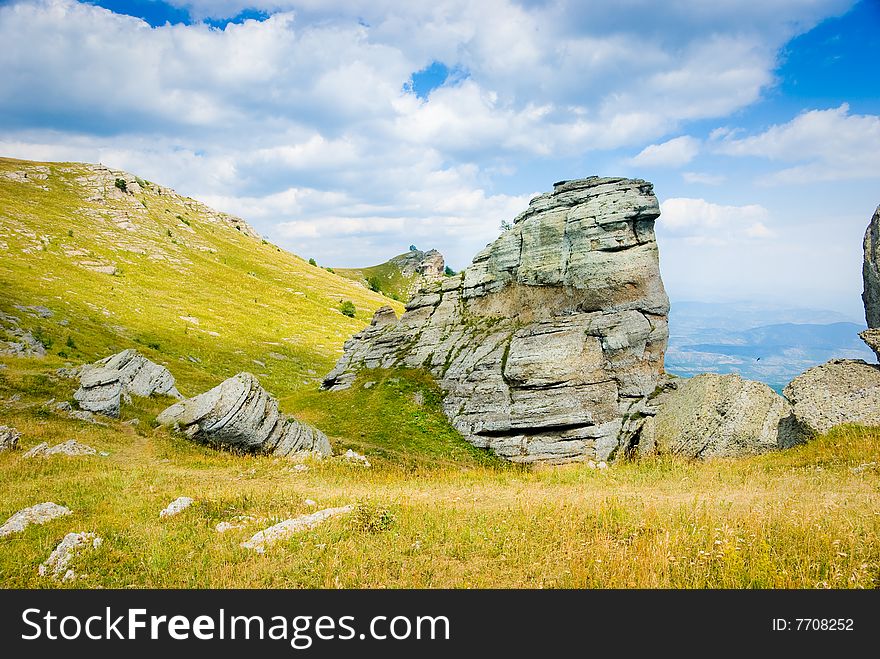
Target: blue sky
[347, 130]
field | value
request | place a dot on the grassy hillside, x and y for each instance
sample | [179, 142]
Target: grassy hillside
[195, 290]
[387, 278]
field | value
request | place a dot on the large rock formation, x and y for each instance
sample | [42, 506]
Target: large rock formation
[711, 415]
[871, 279]
[550, 342]
[839, 391]
[239, 414]
[104, 383]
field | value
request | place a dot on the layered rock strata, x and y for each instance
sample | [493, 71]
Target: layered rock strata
[104, 383]
[871, 279]
[238, 414]
[549, 344]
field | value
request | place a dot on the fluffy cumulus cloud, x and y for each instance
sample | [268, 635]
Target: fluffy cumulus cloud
[701, 222]
[824, 145]
[305, 124]
[672, 153]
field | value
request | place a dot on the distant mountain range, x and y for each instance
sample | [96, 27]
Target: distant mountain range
[768, 344]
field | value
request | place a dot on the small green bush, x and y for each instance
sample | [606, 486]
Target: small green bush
[370, 518]
[449, 272]
[313, 262]
[347, 308]
[120, 183]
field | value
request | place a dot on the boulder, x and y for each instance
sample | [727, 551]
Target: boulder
[104, 383]
[289, 527]
[711, 415]
[71, 448]
[839, 391]
[238, 414]
[57, 565]
[177, 506]
[871, 272]
[8, 438]
[551, 337]
[37, 514]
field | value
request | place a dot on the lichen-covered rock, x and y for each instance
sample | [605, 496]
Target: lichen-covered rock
[71, 448]
[871, 272]
[839, 391]
[553, 334]
[37, 514]
[177, 506]
[289, 527]
[239, 414]
[104, 383]
[711, 416]
[57, 565]
[8, 438]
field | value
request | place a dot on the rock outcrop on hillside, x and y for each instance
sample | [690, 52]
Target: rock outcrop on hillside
[871, 280]
[712, 416]
[238, 414]
[104, 383]
[839, 391]
[549, 344]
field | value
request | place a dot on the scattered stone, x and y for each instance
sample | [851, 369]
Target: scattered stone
[37, 311]
[370, 384]
[69, 372]
[70, 448]
[301, 468]
[177, 506]
[278, 356]
[103, 454]
[551, 338]
[103, 383]
[591, 464]
[56, 566]
[839, 391]
[311, 503]
[239, 414]
[63, 406]
[289, 527]
[602, 465]
[865, 466]
[38, 514]
[84, 415]
[356, 458]
[711, 416]
[419, 398]
[8, 438]
[132, 422]
[26, 345]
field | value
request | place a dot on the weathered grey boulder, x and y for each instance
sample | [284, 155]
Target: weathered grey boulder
[553, 334]
[70, 448]
[104, 383]
[711, 415]
[57, 565]
[239, 414]
[37, 514]
[260, 540]
[871, 271]
[839, 391]
[8, 438]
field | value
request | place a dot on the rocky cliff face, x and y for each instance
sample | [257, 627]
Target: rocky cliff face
[871, 278]
[549, 344]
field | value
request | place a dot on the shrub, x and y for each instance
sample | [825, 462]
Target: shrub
[328, 269]
[120, 183]
[70, 342]
[370, 518]
[347, 308]
[375, 284]
[312, 262]
[449, 272]
[70, 233]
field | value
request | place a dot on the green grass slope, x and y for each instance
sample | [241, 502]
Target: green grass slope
[387, 278]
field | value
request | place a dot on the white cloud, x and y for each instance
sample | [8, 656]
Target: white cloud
[703, 178]
[673, 153]
[828, 145]
[301, 123]
[701, 222]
